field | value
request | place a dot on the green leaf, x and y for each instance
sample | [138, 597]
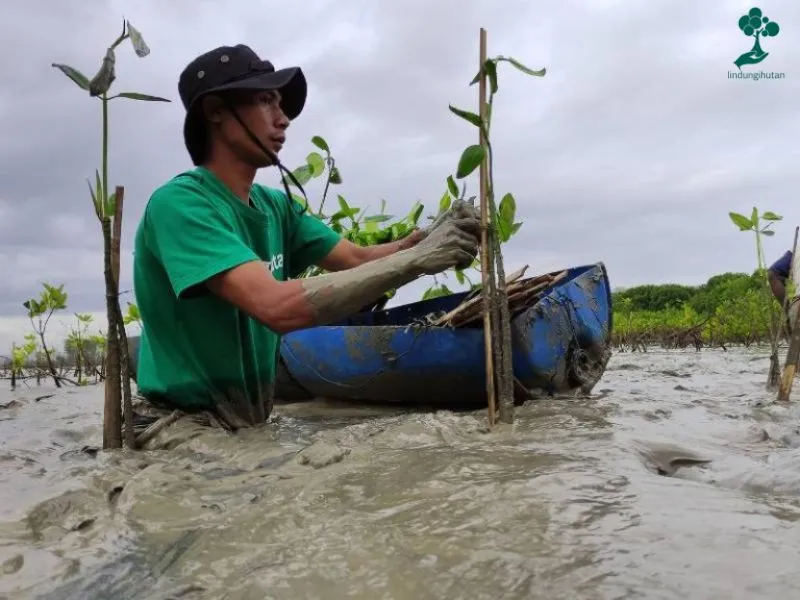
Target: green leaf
[335, 177]
[105, 76]
[415, 213]
[320, 143]
[378, 218]
[771, 216]
[491, 73]
[111, 204]
[436, 291]
[137, 41]
[515, 228]
[303, 174]
[470, 159]
[94, 200]
[138, 96]
[490, 68]
[767, 232]
[540, 73]
[742, 222]
[317, 163]
[459, 276]
[343, 203]
[452, 186]
[98, 190]
[507, 210]
[399, 230]
[444, 203]
[503, 230]
[468, 116]
[76, 76]
[339, 215]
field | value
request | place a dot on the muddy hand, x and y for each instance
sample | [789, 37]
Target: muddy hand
[458, 209]
[461, 209]
[452, 243]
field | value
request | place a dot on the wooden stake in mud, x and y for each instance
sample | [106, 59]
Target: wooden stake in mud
[117, 383]
[497, 330]
[122, 338]
[793, 354]
[486, 249]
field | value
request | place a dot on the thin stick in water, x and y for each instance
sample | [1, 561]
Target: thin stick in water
[486, 262]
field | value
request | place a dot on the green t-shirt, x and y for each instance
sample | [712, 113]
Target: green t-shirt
[196, 350]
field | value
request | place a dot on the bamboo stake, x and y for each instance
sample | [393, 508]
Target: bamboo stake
[485, 248]
[122, 337]
[793, 353]
[112, 409]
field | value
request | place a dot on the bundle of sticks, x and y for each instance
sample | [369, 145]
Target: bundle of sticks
[522, 293]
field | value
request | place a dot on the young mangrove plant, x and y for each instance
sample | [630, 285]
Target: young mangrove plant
[108, 208]
[40, 310]
[132, 316]
[20, 355]
[499, 224]
[754, 224]
[359, 226]
[76, 346]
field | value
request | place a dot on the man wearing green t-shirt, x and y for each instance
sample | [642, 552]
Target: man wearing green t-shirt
[215, 254]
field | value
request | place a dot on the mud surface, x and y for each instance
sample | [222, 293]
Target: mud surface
[678, 479]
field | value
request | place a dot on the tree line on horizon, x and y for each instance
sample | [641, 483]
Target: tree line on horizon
[730, 309]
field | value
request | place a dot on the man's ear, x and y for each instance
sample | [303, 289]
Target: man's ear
[213, 108]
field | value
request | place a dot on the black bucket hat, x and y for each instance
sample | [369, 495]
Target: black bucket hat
[234, 68]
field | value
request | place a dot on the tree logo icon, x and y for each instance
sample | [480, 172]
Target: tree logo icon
[754, 24]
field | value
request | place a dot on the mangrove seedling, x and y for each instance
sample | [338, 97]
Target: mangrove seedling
[754, 224]
[75, 344]
[108, 208]
[481, 155]
[357, 225]
[40, 310]
[20, 355]
[132, 316]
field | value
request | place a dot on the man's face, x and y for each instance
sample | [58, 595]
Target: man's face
[262, 114]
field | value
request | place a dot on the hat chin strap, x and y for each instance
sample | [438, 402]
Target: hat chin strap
[273, 157]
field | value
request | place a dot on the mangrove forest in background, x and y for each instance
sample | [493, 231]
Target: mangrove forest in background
[729, 309]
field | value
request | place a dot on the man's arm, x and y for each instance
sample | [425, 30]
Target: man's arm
[297, 304]
[346, 254]
[200, 249]
[280, 305]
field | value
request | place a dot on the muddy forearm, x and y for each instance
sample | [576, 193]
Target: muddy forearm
[335, 296]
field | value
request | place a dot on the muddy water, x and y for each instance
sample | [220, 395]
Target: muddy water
[678, 479]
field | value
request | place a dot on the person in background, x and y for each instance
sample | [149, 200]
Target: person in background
[778, 273]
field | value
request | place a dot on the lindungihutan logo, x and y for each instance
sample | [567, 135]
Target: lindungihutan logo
[755, 24]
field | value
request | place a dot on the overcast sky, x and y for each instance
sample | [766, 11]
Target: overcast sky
[630, 151]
